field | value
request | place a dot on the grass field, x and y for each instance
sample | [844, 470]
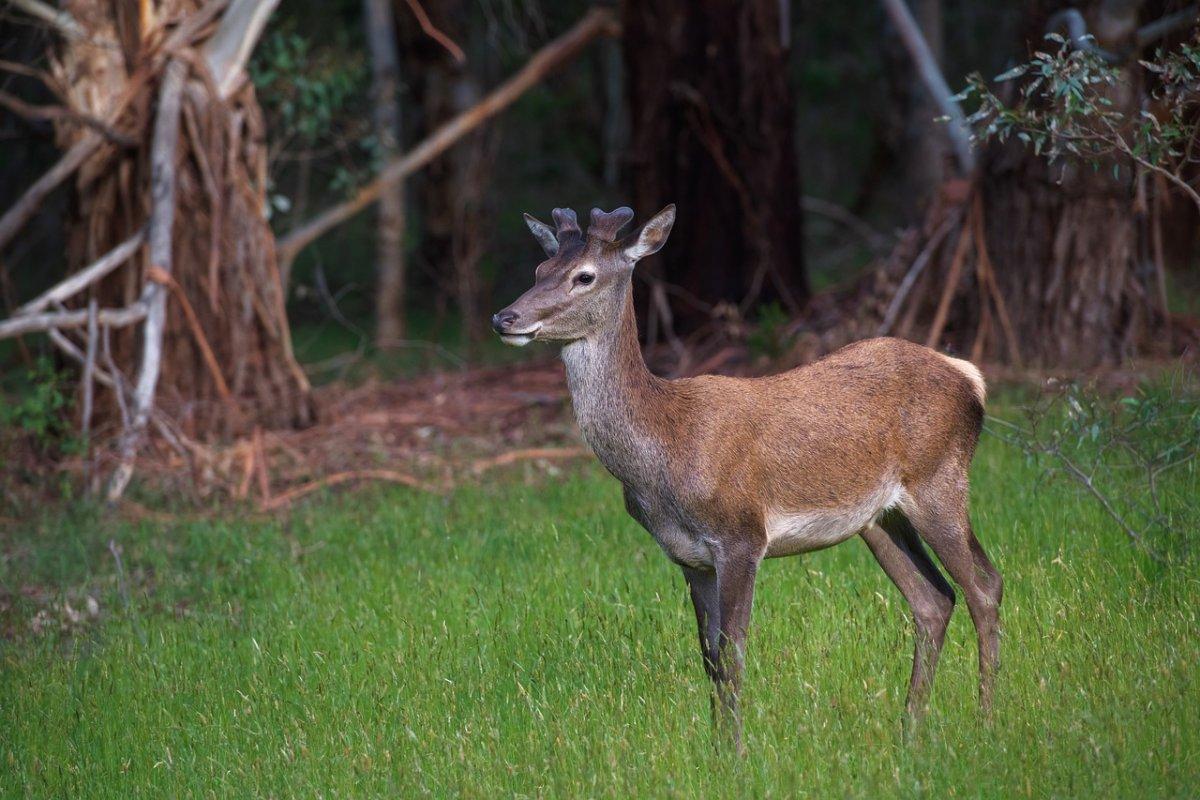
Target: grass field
[528, 640]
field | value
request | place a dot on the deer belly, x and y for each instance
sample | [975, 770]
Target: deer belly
[789, 533]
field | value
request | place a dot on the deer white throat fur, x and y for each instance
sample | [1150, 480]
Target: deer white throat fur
[875, 441]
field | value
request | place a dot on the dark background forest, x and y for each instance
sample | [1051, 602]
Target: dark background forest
[823, 194]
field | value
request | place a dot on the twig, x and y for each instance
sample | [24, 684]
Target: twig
[386, 475]
[914, 272]
[432, 32]
[86, 276]
[504, 459]
[89, 370]
[164, 278]
[56, 18]
[956, 263]
[32, 112]
[21, 211]
[595, 23]
[34, 323]
[874, 239]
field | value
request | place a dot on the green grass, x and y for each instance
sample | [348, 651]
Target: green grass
[529, 640]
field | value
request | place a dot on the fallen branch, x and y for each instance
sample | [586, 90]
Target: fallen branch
[504, 459]
[162, 217]
[86, 276]
[595, 23]
[53, 320]
[386, 475]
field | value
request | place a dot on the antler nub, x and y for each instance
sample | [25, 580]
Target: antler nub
[606, 224]
[566, 224]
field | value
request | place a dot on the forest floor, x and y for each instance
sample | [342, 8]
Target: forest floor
[521, 636]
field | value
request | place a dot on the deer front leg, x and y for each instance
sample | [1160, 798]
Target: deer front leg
[702, 585]
[736, 572]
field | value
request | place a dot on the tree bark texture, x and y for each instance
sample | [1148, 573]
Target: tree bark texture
[390, 322]
[711, 116]
[223, 250]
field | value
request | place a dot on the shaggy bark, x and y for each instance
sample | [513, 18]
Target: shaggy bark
[223, 251]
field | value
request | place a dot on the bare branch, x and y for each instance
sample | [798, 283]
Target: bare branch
[595, 23]
[23, 209]
[32, 112]
[229, 48]
[86, 276]
[56, 18]
[935, 83]
[38, 323]
[432, 32]
[162, 216]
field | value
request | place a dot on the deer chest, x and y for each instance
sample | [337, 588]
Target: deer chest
[679, 540]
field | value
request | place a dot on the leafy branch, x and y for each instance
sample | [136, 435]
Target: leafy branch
[1069, 106]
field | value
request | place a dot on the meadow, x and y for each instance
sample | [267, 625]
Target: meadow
[524, 638]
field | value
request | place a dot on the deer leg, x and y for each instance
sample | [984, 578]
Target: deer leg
[944, 525]
[736, 572]
[703, 588]
[898, 550]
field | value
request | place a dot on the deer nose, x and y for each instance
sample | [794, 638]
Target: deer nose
[503, 320]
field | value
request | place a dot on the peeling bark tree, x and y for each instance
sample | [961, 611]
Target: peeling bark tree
[711, 118]
[222, 248]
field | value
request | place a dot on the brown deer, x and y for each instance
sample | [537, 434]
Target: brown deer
[874, 440]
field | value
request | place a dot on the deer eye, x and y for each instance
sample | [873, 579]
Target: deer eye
[585, 278]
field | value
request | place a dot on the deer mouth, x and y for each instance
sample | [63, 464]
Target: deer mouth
[520, 338]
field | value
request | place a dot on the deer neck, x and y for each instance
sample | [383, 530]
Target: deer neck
[619, 405]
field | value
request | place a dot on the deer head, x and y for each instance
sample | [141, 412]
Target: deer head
[580, 287]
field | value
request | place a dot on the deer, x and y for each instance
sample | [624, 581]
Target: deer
[874, 440]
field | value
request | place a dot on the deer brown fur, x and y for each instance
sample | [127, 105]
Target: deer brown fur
[873, 440]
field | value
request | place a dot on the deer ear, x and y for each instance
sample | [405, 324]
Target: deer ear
[650, 238]
[543, 233]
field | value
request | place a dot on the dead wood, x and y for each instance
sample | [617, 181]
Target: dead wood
[549, 453]
[162, 219]
[385, 475]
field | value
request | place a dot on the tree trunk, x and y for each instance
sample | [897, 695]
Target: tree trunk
[1064, 240]
[389, 257]
[711, 116]
[1064, 280]
[223, 249]
[452, 190]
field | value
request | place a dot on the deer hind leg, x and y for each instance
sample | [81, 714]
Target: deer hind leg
[940, 517]
[899, 552]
